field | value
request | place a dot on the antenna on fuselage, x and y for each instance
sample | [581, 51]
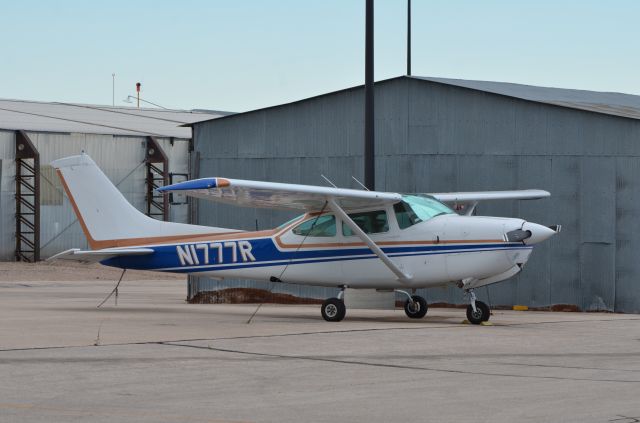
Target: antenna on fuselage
[359, 183]
[328, 180]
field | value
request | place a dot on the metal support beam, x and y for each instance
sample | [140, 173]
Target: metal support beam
[157, 164]
[409, 37]
[402, 277]
[369, 123]
[27, 199]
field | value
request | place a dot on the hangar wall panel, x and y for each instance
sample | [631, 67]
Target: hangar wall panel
[7, 194]
[432, 137]
[120, 157]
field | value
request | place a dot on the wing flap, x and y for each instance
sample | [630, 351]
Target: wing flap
[94, 256]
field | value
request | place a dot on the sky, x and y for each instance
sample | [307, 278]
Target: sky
[239, 55]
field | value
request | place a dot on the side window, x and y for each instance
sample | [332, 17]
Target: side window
[372, 222]
[322, 226]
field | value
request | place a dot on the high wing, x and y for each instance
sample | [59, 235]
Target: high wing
[94, 256]
[465, 202]
[525, 194]
[280, 196]
[314, 198]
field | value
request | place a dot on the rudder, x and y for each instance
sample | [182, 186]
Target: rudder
[106, 217]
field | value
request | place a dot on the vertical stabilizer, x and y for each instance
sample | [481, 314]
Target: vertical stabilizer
[107, 218]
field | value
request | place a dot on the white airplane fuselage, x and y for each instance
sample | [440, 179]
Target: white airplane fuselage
[447, 248]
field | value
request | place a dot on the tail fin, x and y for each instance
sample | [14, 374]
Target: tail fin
[107, 218]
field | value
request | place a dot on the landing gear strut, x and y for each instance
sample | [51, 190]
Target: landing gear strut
[333, 309]
[477, 311]
[415, 307]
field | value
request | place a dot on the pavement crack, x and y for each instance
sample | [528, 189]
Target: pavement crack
[564, 367]
[327, 332]
[389, 365]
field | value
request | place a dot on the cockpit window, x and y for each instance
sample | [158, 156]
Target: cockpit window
[415, 209]
[371, 222]
[322, 226]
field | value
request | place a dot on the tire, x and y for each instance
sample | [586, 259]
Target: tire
[333, 310]
[482, 313]
[420, 309]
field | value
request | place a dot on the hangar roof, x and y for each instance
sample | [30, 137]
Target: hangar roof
[95, 119]
[610, 103]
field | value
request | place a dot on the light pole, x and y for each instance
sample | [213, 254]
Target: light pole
[369, 134]
[408, 37]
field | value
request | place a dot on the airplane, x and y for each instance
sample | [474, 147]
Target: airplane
[343, 238]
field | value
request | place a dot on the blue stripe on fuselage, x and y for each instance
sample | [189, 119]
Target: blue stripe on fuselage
[265, 252]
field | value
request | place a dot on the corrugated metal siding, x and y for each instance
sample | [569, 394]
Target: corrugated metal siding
[7, 194]
[177, 150]
[120, 157]
[432, 137]
[627, 233]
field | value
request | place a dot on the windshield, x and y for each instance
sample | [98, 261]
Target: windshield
[415, 209]
[288, 222]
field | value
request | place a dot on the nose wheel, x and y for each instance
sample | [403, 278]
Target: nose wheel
[477, 311]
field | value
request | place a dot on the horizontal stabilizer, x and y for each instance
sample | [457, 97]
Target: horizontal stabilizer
[94, 256]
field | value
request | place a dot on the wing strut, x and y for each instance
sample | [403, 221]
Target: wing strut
[402, 277]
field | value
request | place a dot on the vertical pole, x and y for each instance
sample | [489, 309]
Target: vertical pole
[113, 89]
[36, 204]
[369, 134]
[409, 37]
[18, 208]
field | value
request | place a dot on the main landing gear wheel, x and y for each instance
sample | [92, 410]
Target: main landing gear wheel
[416, 308]
[481, 314]
[333, 310]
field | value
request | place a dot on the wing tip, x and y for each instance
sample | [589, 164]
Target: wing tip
[194, 184]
